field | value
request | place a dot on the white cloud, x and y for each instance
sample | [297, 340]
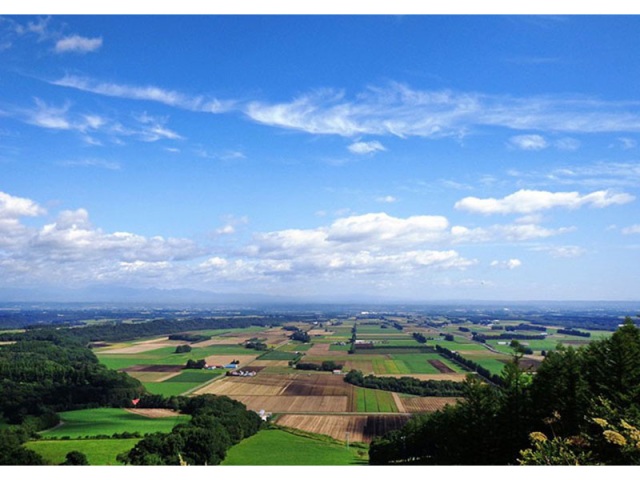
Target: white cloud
[530, 201]
[142, 127]
[633, 229]
[387, 199]
[627, 143]
[91, 162]
[363, 148]
[401, 111]
[15, 207]
[46, 116]
[510, 233]
[566, 251]
[148, 93]
[528, 142]
[506, 264]
[78, 44]
[567, 144]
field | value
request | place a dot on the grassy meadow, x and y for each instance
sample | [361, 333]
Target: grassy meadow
[283, 448]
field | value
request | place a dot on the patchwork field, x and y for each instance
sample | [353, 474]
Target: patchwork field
[425, 404]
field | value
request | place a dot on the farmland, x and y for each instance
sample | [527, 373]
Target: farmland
[314, 401]
[321, 402]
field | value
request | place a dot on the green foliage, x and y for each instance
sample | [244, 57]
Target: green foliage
[183, 349]
[196, 364]
[216, 424]
[409, 385]
[300, 336]
[12, 452]
[50, 371]
[75, 458]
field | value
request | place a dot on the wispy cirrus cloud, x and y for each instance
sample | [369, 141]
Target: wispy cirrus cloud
[529, 201]
[601, 175]
[401, 111]
[148, 93]
[143, 127]
[91, 162]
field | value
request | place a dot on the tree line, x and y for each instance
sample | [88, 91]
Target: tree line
[118, 331]
[410, 385]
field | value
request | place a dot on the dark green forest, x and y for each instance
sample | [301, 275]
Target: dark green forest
[581, 407]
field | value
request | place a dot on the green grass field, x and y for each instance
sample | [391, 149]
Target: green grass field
[278, 355]
[107, 421]
[374, 401]
[169, 389]
[167, 356]
[279, 447]
[98, 452]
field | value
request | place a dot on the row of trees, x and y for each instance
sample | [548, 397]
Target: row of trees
[326, 366]
[410, 385]
[582, 407]
[469, 364]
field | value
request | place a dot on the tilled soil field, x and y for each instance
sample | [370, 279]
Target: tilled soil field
[359, 428]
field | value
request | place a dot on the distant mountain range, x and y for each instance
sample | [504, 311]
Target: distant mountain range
[174, 296]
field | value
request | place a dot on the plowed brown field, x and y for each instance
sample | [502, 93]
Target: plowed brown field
[290, 403]
[426, 404]
[360, 428]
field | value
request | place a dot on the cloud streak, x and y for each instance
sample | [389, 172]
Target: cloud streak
[146, 93]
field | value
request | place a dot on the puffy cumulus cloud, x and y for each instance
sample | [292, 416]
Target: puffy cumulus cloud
[16, 207]
[78, 44]
[351, 250]
[363, 148]
[71, 250]
[529, 201]
[370, 244]
[12, 231]
[506, 264]
[528, 142]
[73, 238]
[373, 228]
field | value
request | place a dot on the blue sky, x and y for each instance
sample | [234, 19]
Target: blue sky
[416, 157]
